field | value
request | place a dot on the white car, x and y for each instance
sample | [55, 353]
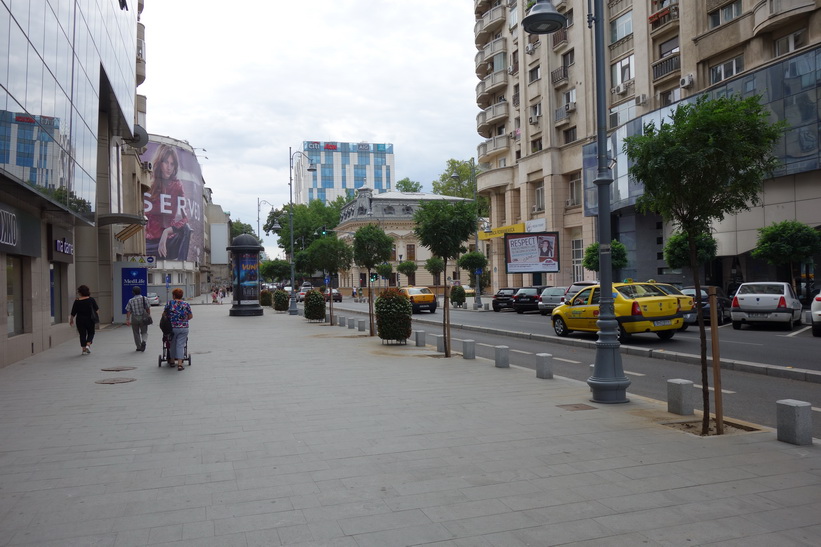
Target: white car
[153, 298]
[766, 302]
[815, 313]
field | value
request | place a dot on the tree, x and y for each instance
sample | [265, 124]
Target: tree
[435, 266]
[275, 270]
[238, 228]
[471, 262]
[408, 185]
[407, 268]
[384, 270]
[371, 246]
[787, 242]
[677, 249]
[458, 180]
[618, 253]
[308, 219]
[331, 255]
[707, 162]
[443, 227]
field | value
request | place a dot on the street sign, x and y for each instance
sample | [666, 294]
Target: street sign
[478, 271]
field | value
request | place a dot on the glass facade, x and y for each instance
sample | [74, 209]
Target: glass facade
[789, 89]
[54, 54]
[343, 166]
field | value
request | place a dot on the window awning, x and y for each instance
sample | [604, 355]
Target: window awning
[129, 231]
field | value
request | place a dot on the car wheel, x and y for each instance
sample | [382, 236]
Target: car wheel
[816, 328]
[543, 312]
[788, 325]
[560, 327]
[684, 326]
[624, 336]
[520, 311]
[720, 317]
[736, 325]
[666, 334]
[496, 309]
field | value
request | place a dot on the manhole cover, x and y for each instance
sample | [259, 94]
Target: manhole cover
[577, 406]
[117, 369]
[116, 381]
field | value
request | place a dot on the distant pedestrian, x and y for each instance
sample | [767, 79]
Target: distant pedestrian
[85, 310]
[137, 314]
[179, 313]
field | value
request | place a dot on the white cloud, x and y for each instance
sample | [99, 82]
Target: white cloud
[247, 83]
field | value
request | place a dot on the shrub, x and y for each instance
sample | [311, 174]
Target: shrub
[314, 305]
[281, 300]
[266, 298]
[457, 295]
[393, 315]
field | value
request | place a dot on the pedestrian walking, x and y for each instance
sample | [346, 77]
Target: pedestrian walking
[84, 310]
[179, 313]
[138, 315]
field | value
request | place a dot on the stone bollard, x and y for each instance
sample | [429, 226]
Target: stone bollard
[340, 320]
[440, 342]
[352, 323]
[469, 349]
[420, 338]
[502, 357]
[681, 397]
[794, 420]
[362, 323]
[544, 366]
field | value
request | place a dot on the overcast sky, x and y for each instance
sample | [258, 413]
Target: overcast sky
[247, 79]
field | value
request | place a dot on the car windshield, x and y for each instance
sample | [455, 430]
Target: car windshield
[669, 289]
[692, 292]
[507, 292]
[527, 291]
[424, 290]
[761, 288]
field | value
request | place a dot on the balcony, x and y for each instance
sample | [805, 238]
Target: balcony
[488, 25]
[559, 76]
[480, 6]
[484, 58]
[773, 14]
[668, 65]
[488, 86]
[493, 147]
[486, 119]
[666, 17]
[559, 38]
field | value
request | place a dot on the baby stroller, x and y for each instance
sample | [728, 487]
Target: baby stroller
[167, 337]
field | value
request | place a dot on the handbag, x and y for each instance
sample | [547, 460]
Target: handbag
[95, 316]
[147, 320]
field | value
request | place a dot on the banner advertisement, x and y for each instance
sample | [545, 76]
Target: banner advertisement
[173, 206]
[247, 265]
[536, 252]
[132, 277]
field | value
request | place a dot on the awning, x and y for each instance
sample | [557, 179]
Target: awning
[129, 231]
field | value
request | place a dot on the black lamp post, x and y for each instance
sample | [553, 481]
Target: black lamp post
[608, 383]
[311, 168]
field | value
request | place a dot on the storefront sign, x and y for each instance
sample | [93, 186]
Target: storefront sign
[61, 244]
[19, 232]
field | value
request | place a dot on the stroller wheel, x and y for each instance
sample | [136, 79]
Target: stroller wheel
[159, 361]
[189, 360]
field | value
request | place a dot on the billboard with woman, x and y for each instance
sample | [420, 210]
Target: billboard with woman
[536, 252]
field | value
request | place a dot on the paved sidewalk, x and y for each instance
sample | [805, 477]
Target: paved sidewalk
[285, 432]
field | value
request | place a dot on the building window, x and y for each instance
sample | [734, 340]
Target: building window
[569, 135]
[569, 58]
[14, 295]
[574, 194]
[622, 71]
[569, 16]
[727, 69]
[669, 97]
[576, 258]
[534, 74]
[669, 47]
[791, 42]
[724, 14]
[621, 27]
[410, 251]
[536, 145]
[622, 113]
[538, 197]
[58, 296]
[536, 110]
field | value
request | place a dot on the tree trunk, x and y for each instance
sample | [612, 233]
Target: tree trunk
[446, 315]
[705, 383]
[370, 304]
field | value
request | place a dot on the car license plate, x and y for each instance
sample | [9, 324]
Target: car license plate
[424, 306]
[662, 323]
[757, 314]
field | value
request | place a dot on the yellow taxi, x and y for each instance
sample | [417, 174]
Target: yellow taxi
[639, 307]
[421, 298]
[688, 306]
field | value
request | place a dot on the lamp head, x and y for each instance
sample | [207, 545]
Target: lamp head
[276, 227]
[312, 167]
[543, 19]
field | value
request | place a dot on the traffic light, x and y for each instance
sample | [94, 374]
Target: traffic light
[374, 277]
[324, 231]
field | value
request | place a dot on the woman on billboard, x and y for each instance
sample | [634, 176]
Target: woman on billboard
[167, 233]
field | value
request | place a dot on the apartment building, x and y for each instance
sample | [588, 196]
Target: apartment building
[536, 96]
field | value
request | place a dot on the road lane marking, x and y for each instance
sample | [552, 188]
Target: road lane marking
[713, 389]
[799, 331]
[567, 360]
[634, 373]
[815, 408]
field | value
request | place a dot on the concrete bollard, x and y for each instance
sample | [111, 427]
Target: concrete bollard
[420, 338]
[544, 366]
[440, 342]
[502, 357]
[362, 323]
[340, 320]
[681, 397]
[469, 349]
[352, 323]
[794, 420]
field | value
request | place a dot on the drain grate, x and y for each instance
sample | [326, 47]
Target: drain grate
[116, 381]
[117, 369]
[577, 406]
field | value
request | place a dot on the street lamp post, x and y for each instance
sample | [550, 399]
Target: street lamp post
[477, 295]
[311, 167]
[259, 204]
[608, 383]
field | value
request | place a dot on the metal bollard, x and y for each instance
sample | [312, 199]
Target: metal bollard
[362, 323]
[340, 320]
[420, 338]
[469, 349]
[502, 357]
[681, 397]
[544, 366]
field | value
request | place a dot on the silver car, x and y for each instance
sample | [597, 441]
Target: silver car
[766, 302]
[550, 298]
[153, 298]
[815, 313]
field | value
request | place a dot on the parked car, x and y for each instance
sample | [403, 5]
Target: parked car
[421, 298]
[766, 302]
[639, 307]
[336, 293]
[576, 287]
[723, 304]
[504, 298]
[153, 298]
[527, 299]
[815, 313]
[688, 307]
[550, 298]
[303, 290]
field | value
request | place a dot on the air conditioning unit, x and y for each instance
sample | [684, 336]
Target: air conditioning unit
[620, 89]
[534, 120]
[510, 69]
[569, 203]
[686, 81]
[641, 99]
[570, 107]
[530, 48]
[148, 166]
[535, 209]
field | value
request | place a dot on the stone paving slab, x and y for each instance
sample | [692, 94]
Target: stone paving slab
[287, 432]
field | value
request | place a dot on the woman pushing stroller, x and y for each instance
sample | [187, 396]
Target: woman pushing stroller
[178, 312]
